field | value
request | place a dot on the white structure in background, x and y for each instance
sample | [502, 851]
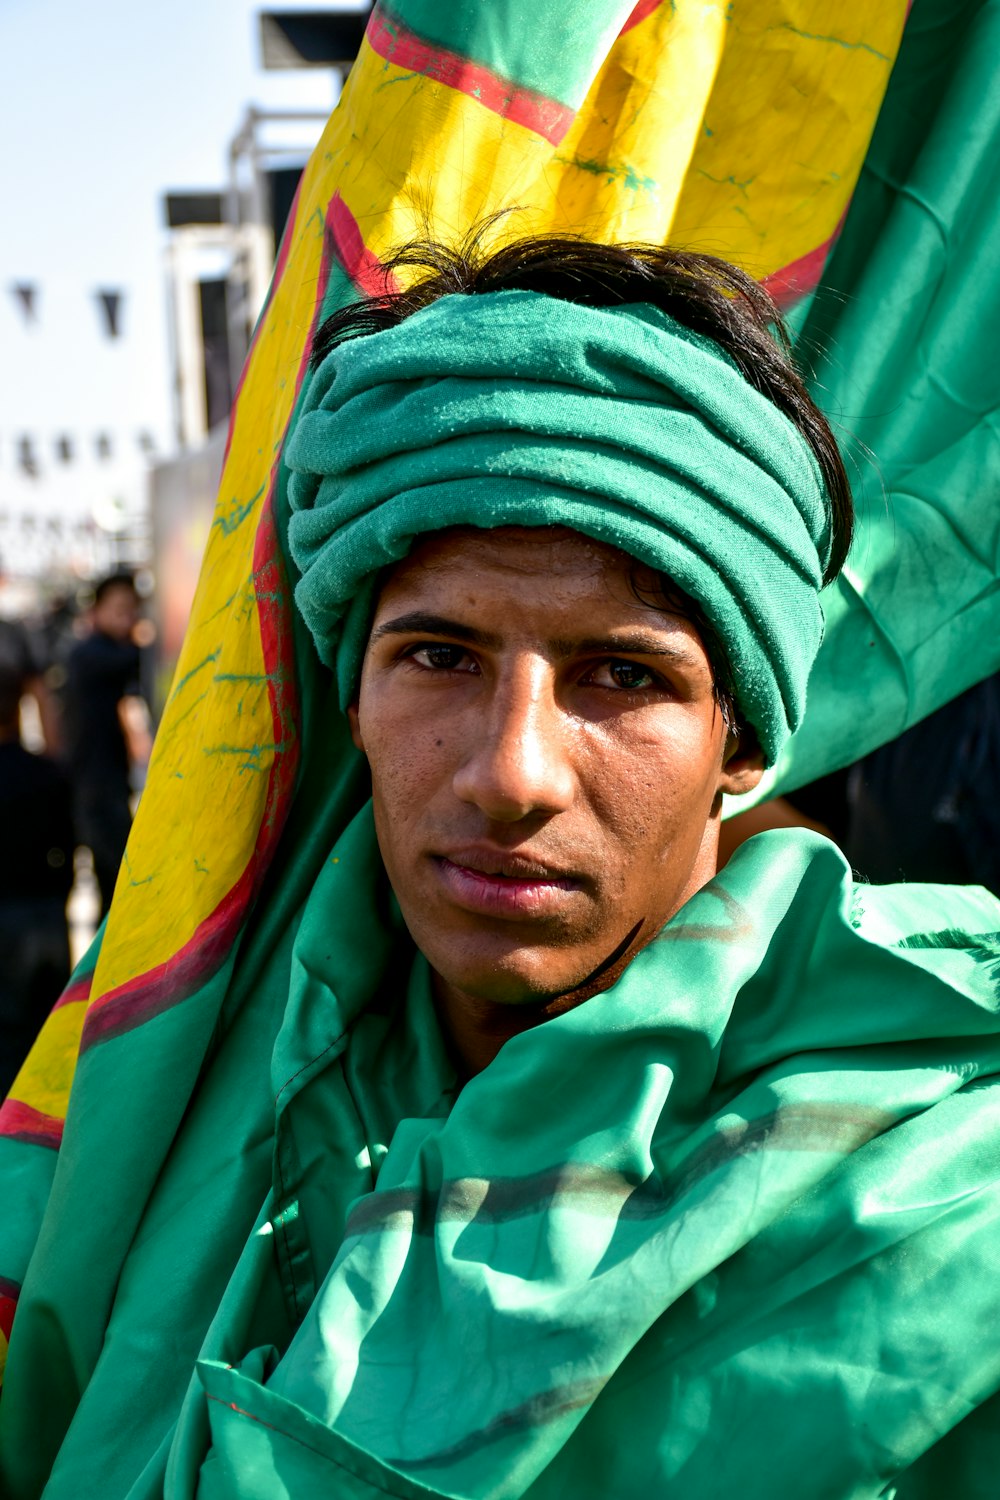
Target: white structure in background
[220, 255]
[73, 490]
[198, 255]
[222, 245]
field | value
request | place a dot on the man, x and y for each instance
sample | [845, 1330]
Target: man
[588, 1173]
[21, 656]
[36, 873]
[102, 681]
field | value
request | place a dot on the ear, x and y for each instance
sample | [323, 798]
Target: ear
[742, 766]
[354, 719]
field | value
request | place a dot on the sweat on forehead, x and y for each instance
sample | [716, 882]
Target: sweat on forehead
[519, 409]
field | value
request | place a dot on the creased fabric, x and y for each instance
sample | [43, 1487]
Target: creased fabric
[731, 1223]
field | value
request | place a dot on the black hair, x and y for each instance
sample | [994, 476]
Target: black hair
[702, 293]
[119, 580]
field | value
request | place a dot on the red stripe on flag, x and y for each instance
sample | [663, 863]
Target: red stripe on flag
[159, 989]
[77, 989]
[393, 41]
[150, 994]
[19, 1122]
[643, 9]
[9, 1293]
[802, 276]
[361, 264]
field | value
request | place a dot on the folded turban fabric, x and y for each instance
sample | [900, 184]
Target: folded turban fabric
[519, 409]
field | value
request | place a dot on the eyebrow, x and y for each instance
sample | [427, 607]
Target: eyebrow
[635, 642]
[419, 621]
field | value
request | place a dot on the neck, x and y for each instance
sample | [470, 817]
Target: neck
[477, 1028]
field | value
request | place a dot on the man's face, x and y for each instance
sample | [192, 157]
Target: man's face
[547, 759]
[117, 612]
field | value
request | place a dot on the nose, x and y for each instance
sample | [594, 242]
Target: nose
[518, 759]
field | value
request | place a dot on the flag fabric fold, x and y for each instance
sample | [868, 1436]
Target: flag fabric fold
[898, 344]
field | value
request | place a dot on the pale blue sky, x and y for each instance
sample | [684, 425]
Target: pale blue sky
[103, 107]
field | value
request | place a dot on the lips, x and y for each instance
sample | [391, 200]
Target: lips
[507, 864]
[501, 884]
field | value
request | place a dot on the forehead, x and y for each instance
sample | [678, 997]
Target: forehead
[545, 561]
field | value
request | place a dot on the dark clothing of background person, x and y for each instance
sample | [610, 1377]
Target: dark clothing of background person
[924, 807]
[17, 654]
[100, 672]
[24, 654]
[927, 806]
[36, 873]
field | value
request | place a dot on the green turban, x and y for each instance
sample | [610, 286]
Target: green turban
[517, 409]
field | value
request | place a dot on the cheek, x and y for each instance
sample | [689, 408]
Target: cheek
[408, 762]
[656, 785]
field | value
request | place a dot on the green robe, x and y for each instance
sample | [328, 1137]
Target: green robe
[730, 1226]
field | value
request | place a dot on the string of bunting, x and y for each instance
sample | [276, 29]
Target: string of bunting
[24, 451]
[109, 302]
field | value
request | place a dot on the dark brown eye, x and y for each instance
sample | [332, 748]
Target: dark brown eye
[626, 676]
[439, 657]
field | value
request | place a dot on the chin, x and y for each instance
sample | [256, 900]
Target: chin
[520, 977]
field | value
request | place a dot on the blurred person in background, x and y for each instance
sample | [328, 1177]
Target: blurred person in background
[36, 873]
[23, 655]
[107, 727]
[59, 627]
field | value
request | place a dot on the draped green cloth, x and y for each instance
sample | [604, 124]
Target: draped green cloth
[722, 1220]
[733, 1225]
[514, 408]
